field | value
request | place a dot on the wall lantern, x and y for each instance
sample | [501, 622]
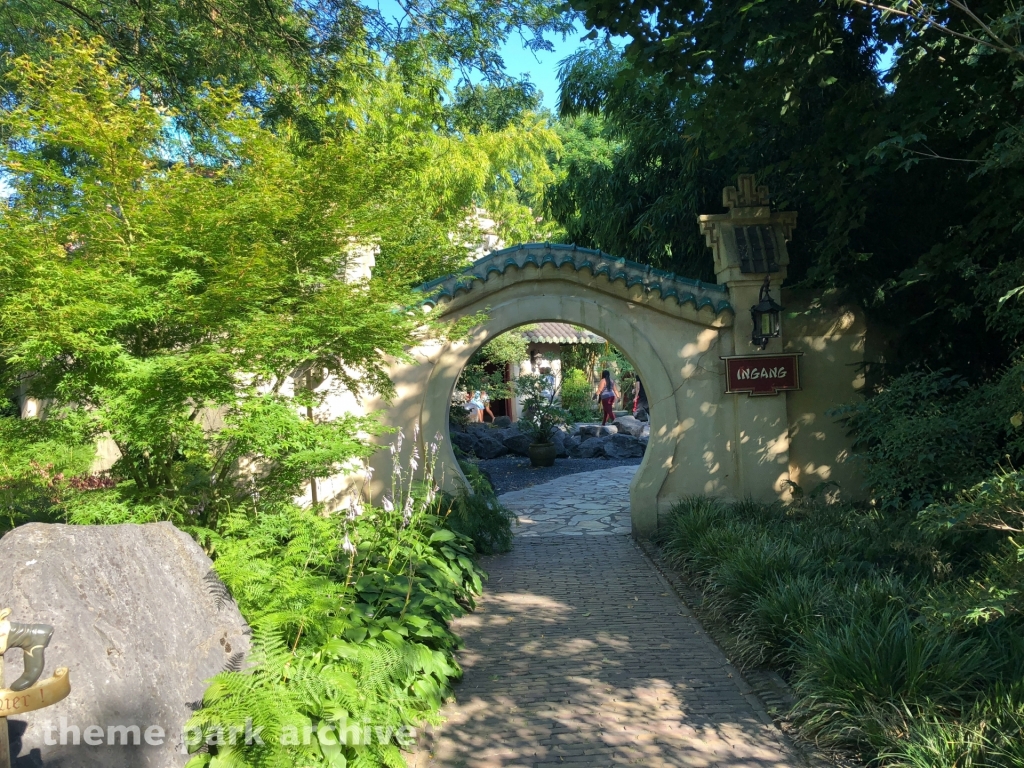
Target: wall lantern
[767, 317]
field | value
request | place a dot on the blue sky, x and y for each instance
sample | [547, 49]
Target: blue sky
[541, 67]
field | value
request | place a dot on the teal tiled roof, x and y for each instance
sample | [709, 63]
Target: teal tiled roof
[668, 285]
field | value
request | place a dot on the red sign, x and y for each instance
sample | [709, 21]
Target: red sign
[762, 374]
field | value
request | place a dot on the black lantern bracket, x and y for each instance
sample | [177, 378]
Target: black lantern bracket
[767, 316]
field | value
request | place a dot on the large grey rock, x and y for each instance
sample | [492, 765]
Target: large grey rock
[572, 446]
[623, 447]
[141, 621]
[629, 425]
[559, 437]
[502, 422]
[592, 448]
[465, 441]
[596, 430]
[488, 447]
[518, 444]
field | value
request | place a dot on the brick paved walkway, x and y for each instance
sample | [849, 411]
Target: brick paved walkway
[581, 655]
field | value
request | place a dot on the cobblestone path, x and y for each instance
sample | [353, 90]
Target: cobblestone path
[574, 505]
[580, 654]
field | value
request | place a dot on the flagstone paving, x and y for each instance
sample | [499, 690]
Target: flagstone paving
[589, 503]
[580, 654]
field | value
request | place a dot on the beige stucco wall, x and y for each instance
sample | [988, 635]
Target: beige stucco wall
[832, 340]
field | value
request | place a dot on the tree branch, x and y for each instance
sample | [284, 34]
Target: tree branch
[929, 20]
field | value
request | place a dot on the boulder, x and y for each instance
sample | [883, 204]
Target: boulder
[488, 447]
[623, 447]
[596, 430]
[641, 415]
[518, 443]
[501, 435]
[465, 441]
[502, 422]
[592, 448]
[572, 446]
[629, 425]
[558, 438]
[141, 620]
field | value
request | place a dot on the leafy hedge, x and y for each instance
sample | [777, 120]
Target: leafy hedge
[867, 613]
[926, 435]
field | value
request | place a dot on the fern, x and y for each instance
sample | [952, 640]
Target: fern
[350, 620]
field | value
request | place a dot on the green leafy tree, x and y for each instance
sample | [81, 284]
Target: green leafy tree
[906, 179]
[169, 290]
[284, 56]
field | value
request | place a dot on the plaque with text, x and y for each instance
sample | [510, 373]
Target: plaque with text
[762, 374]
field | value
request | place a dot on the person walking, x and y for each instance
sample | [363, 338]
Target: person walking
[607, 394]
[475, 406]
[485, 400]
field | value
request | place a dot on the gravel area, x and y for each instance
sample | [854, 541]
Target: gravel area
[513, 473]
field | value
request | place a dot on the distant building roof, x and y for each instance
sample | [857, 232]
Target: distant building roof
[560, 333]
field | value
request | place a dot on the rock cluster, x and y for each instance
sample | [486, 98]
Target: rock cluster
[625, 438]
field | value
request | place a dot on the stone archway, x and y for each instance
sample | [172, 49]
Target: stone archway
[672, 329]
[676, 332]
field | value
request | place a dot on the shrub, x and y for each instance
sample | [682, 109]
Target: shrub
[541, 417]
[926, 435]
[577, 395]
[350, 616]
[481, 518]
[479, 515]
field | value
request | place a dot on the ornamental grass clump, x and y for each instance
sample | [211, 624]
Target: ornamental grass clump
[853, 672]
[777, 622]
[903, 642]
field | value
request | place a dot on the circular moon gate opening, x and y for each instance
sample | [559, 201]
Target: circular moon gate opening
[540, 349]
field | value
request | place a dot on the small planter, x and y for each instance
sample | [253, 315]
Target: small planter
[543, 454]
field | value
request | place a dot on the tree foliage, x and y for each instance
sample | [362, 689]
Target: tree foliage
[284, 57]
[897, 142]
[486, 369]
[180, 291]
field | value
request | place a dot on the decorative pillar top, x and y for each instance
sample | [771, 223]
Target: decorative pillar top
[749, 241]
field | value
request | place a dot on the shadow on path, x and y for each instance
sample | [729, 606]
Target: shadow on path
[581, 655]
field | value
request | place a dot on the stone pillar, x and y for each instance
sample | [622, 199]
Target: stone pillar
[749, 243]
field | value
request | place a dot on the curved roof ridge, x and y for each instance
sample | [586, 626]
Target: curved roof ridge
[667, 284]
